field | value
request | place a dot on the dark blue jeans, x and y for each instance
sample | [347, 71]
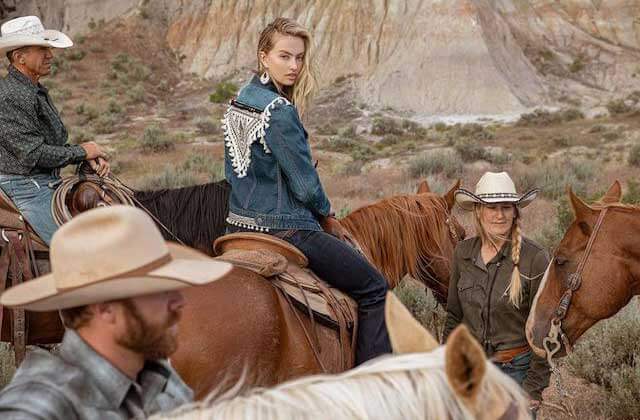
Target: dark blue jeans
[344, 268]
[517, 368]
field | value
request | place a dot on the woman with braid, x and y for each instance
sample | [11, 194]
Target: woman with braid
[495, 277]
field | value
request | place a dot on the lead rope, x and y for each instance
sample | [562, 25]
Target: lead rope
[109, 184]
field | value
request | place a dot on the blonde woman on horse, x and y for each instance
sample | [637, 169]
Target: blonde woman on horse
[494, 279]
[275, 188]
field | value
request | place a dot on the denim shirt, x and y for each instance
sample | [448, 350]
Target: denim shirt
[79, 384]
[274, 184]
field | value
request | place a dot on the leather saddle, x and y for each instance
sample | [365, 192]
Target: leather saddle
[19, 245]
[287, 269]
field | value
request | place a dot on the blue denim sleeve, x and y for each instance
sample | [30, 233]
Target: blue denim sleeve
[288, 143]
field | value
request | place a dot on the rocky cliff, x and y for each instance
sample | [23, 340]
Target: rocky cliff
[426, 56]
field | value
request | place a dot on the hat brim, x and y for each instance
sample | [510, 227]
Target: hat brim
[187, 268]
[49, 38]
[467, 200]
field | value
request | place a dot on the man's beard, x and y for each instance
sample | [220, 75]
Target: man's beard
[152, 341]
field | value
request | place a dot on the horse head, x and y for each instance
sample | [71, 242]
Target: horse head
[413, 234]
[485, 391]
[591, 275]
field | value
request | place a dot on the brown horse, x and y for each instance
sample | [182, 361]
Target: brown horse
[241, 325]
[594, 272]
[195, 214]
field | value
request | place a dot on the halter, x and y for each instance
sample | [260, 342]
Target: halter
[551, 342]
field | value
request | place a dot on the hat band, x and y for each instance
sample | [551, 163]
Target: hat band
[498, 195]
[136, 272]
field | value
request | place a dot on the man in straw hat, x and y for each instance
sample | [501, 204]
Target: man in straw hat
[33, 139]
[116, 283]
[494, 279]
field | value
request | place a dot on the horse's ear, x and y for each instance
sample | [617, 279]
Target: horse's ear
[450, 196]
[613, 194]
[465, 363]
[581, 209]
[423, 187]
[405, 332]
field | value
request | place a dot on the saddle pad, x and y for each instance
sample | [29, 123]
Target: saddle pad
[304, 287]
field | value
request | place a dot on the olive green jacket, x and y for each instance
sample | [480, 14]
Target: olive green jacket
[477, 298]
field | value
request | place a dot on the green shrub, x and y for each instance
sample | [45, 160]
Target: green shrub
[223, 92]
[204, 163]
[76, 55]
[384, 126]
[88, 112]
[632, 196]
[113, 107]
[120, 63]
[207, 126]
[449, 164]
[82, 135]
[156, 140]
[470, 151]
[139, 72]
[617, 106]
[422, 306]
[440, 127]
[577, 65]
[472, 131]
[609, 355]
[169, 177]
[136, 94]
[105, 123]
[540, 117]
[553, 177]
[634, 156]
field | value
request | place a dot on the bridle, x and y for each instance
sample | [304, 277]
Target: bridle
[451, 222]
[556, 338]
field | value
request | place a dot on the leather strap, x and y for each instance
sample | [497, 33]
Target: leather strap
[505, 356]
[4, 272]
[20, 271]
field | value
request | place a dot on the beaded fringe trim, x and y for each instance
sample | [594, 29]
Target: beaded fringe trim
[241, 129]
[245, 222]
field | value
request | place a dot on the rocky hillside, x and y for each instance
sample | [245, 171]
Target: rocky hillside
[430, 57]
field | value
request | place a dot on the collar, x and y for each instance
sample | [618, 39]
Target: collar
[23, 79]
[255, 80]
[472, 252]
[112, 383]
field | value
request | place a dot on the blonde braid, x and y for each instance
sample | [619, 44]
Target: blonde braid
[515, 286]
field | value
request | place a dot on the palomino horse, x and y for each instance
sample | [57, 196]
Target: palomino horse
[594, 272]
[423, 382]
[194, 214]
[242, 322]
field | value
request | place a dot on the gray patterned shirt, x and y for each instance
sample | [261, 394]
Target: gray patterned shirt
[33, 138]
[79, 384]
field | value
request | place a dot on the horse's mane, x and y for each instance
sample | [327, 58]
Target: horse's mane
[410, 386]
[182, 211]
[417, 224]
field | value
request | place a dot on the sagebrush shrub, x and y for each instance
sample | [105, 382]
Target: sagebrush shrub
[156, 140]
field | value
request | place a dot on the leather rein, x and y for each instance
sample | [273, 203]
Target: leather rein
[556, 338]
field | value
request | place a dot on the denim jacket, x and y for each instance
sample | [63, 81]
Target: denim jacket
[274, 184]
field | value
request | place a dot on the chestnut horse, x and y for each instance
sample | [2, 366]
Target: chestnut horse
[420, 381]
[241, 327]
[593, 274]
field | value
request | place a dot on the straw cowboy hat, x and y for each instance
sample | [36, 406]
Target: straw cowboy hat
[494, 188]
[28, 30]
[108, 254]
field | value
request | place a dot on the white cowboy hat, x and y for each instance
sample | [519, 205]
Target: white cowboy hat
[494, 187]
[28, 30]
[111, 253]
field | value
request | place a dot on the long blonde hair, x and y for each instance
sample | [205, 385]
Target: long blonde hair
[515, 285]
[301, 92]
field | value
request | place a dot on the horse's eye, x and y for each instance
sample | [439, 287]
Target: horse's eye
[560, 260]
